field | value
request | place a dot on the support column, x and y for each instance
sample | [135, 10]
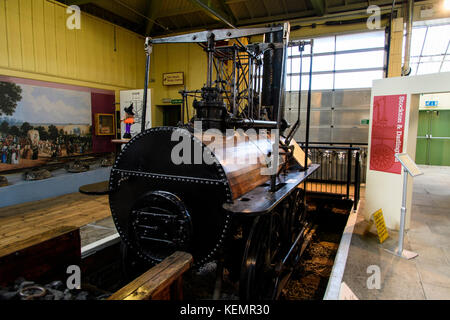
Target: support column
[396, 48]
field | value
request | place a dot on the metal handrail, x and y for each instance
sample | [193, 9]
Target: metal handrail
[341, 175]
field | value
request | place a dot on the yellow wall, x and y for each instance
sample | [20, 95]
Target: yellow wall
[36, 44]
[188, 58]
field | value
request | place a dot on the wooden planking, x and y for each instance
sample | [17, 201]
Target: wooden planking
[34, 40]
[61, 45]
[13, 32]
[40, 55]
[101, 45]
[121, 47]
[50, 38]
[155, 282]
[26, 224]
[4, 56]
[71, 52]
[140, 63]
[26, 32]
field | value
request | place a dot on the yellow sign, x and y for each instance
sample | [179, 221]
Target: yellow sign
[381, 226]
[174, 78]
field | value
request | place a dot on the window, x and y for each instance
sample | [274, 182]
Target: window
[430, 52]
[339, 62]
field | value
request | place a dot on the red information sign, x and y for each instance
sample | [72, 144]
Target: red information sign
[388, 128]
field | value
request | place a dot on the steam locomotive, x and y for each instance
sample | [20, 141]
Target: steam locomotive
[225, 185]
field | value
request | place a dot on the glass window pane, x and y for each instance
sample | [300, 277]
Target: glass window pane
[362, 79]
[292, 83]
[322, 63]
[374, 59]
[364, 40]
[430, 67]
[432, 58]
[319, 82]
[437, 40]
[445, 66]
[414, 60]
[413, 68]
[294, 63]
[322, 45]
[294, 51]
[417, 37]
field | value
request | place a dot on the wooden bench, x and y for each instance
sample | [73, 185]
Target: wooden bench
[162, 282]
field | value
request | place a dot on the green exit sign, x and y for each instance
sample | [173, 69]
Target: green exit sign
[176, 101]
[364, 121]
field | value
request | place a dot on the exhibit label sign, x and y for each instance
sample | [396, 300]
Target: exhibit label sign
[388, 128]
[381, 226]
[174, 78]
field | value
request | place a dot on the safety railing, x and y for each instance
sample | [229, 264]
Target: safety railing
[339, 173]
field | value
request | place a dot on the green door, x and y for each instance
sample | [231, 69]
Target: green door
[433, 138]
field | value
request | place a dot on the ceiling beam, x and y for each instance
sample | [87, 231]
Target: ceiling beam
[277, 18]
[319, 6]
[153, 12]
[79, 2]
[227, 10]
[215, 12]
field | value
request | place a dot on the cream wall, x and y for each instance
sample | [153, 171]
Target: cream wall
[384, 190]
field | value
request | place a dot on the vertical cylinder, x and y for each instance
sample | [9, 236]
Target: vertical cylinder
[403, 213]
[210, 70]
[234, 81]
[144, 102]
[210, 51]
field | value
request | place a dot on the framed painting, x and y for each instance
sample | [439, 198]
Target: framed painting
[105, 124]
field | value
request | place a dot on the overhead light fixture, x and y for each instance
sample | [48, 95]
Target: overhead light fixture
[447, 4]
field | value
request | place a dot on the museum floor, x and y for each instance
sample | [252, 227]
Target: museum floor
[424, 277]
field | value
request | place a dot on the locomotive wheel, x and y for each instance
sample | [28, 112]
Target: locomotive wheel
[260, 270]
[263, 271]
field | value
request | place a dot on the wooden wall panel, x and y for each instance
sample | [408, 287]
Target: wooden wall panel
[4, 56]
[26, 32]
[50, 38]
[61, 45]
[35, 43]
[13, 33]
[40, 55]
[71, 52]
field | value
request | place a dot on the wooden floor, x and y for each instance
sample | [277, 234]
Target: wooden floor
[26, 224]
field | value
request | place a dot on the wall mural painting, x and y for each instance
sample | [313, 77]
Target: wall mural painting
[40, 124]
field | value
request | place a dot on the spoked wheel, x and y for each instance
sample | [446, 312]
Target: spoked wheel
[263, 255]
[297, 225]
[272, 250]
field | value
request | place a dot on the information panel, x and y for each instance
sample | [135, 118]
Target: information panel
[388, 126]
